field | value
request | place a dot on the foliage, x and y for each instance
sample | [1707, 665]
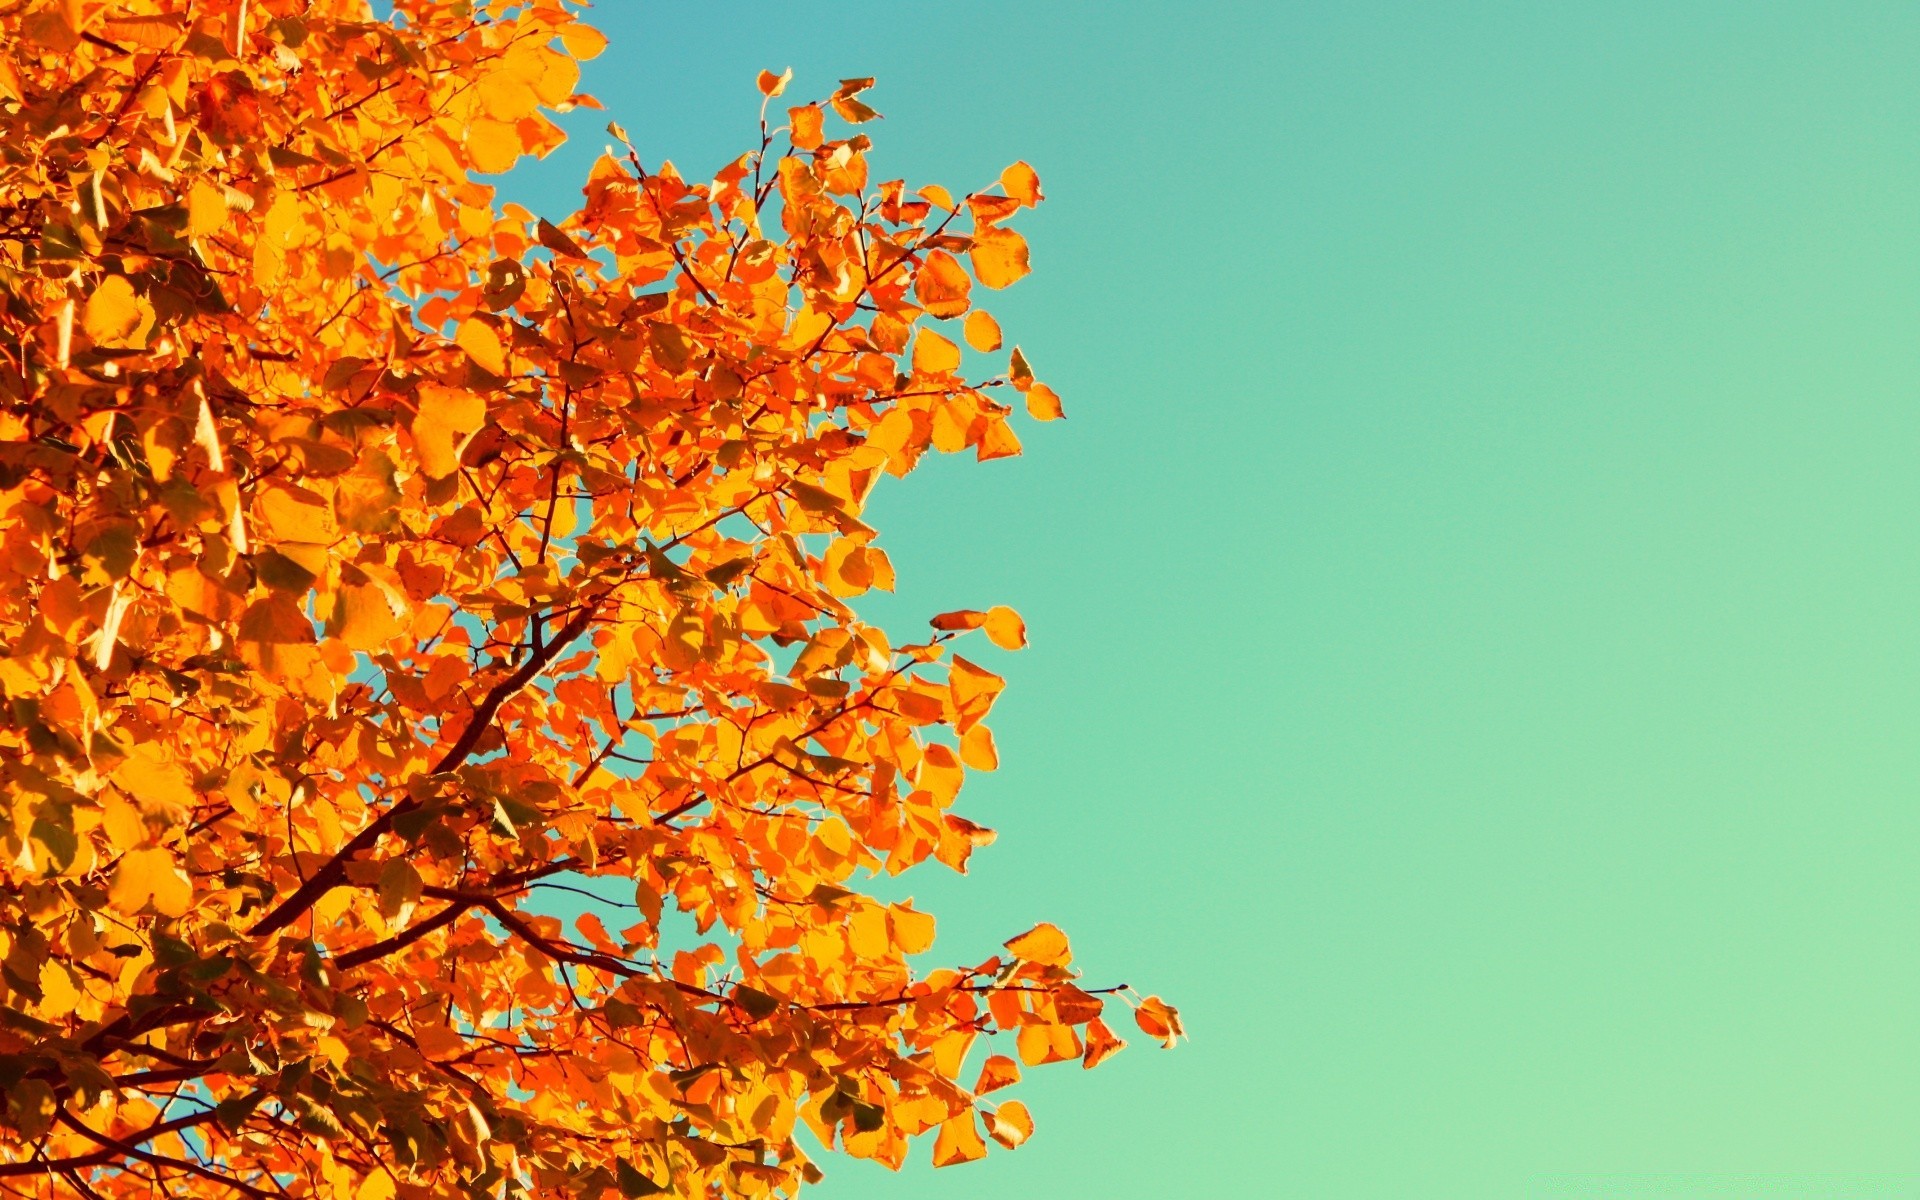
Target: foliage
[376, 559]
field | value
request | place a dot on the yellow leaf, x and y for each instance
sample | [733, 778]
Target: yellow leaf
[912, 930]
[493, 146]
[583, 41]
[982, 331]
[1006, 628]
[290, 514]
[482, 345]
[206, 208]
[958, 1141]
[933, 354]
[1022, 183]
[1043, 404]
[150, 875]
[1044, 944]
[1010, 1124]
[446, 416]
[942, 285]
[999, 256]
[116, 316]
[363, 617]
[1040, 1044]
[997, 441]
[155, 784]
[867, 933]
[57, 993]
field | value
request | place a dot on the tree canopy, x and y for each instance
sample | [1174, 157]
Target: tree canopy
[379, 561]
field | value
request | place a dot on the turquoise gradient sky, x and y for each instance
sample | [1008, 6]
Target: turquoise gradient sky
[1475, 596]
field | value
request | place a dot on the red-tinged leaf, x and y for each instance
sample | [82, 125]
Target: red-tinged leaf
[772, 85]
[997, 1072]
[1159, 1019]
[942, 285]
[1102, 1044]
[807, 125]
[965, 618]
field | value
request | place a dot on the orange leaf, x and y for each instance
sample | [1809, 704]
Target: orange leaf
[997, 441]
[1043, 404]
[772, 85]
[1022, 184]
[982, 331]
[807, 123]
[446, 416]
[1044, 944]
[1159, 1019]
[116, 315]
[965, 618]
[942, 285]
[911, 930]
[1102, 1044]
[1006, 628]
[1042, 1044]
[1010, 1124]
[977, 750]
[958, 1141]
[999, 257]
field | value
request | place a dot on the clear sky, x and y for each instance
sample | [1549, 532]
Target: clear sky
[1475, 595]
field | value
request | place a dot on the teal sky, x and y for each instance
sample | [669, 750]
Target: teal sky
[1475, 596]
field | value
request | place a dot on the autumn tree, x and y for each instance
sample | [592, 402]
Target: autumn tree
[385, 570]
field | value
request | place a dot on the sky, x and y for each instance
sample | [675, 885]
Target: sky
[1474, 595]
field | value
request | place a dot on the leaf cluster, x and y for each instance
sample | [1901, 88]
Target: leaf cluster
[379, 562]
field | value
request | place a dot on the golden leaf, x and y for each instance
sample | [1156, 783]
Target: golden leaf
[933, 354]
[1043, 944]
[1005, 627]
[150, 876]
[999, 257]
[1010, 1124]
[493, 145]
[446, 416]
[982, 331]
[1021, 183]
[482, 345]
[958, 1141]
[1043, 404]
[115, 315]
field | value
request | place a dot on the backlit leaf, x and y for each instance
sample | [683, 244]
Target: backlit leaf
[116, 315]
[999, 257]
[1043, 943]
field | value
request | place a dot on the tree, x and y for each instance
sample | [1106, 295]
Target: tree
[377, 560]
